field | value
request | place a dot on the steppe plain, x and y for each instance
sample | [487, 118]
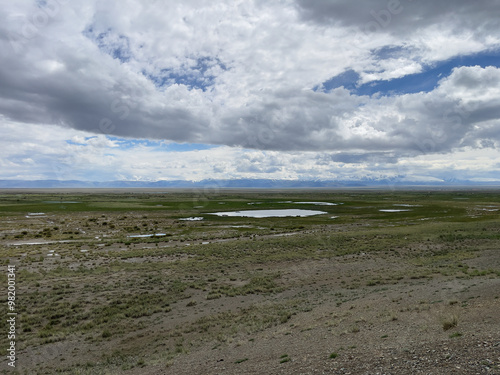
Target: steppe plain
[384, 282]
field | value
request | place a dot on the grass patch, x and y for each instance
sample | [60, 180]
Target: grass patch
[450, 322]
[285, 358]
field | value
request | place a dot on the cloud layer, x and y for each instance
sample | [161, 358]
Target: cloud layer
[49, 152]
[251, 74]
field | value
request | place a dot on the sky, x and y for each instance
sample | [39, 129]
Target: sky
[149, 90]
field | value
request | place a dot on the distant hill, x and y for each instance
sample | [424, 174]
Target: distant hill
[238, 183]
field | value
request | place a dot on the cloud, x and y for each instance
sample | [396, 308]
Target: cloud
[35, 152]
[403, 17]
[250, 75]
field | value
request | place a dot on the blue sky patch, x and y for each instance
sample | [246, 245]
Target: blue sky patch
[348, 80]
[126, 144]
[70, 142]
[181, 147]
[117, 46]
[413, 83]
[197, 76]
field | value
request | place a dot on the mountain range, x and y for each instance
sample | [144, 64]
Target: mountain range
[242, 183]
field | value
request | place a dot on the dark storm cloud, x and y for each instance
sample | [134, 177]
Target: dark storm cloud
[78, 96]
[290, 121]
[403, 16]
[377, 157]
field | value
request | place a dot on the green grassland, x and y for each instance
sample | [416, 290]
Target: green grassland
[92, 300]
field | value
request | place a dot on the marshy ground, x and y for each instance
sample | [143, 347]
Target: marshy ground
[383, 282]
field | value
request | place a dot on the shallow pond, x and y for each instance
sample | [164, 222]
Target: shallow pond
[146, 235]
[58, 202]
[393, 210]
[318, 203]
[269, 213]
